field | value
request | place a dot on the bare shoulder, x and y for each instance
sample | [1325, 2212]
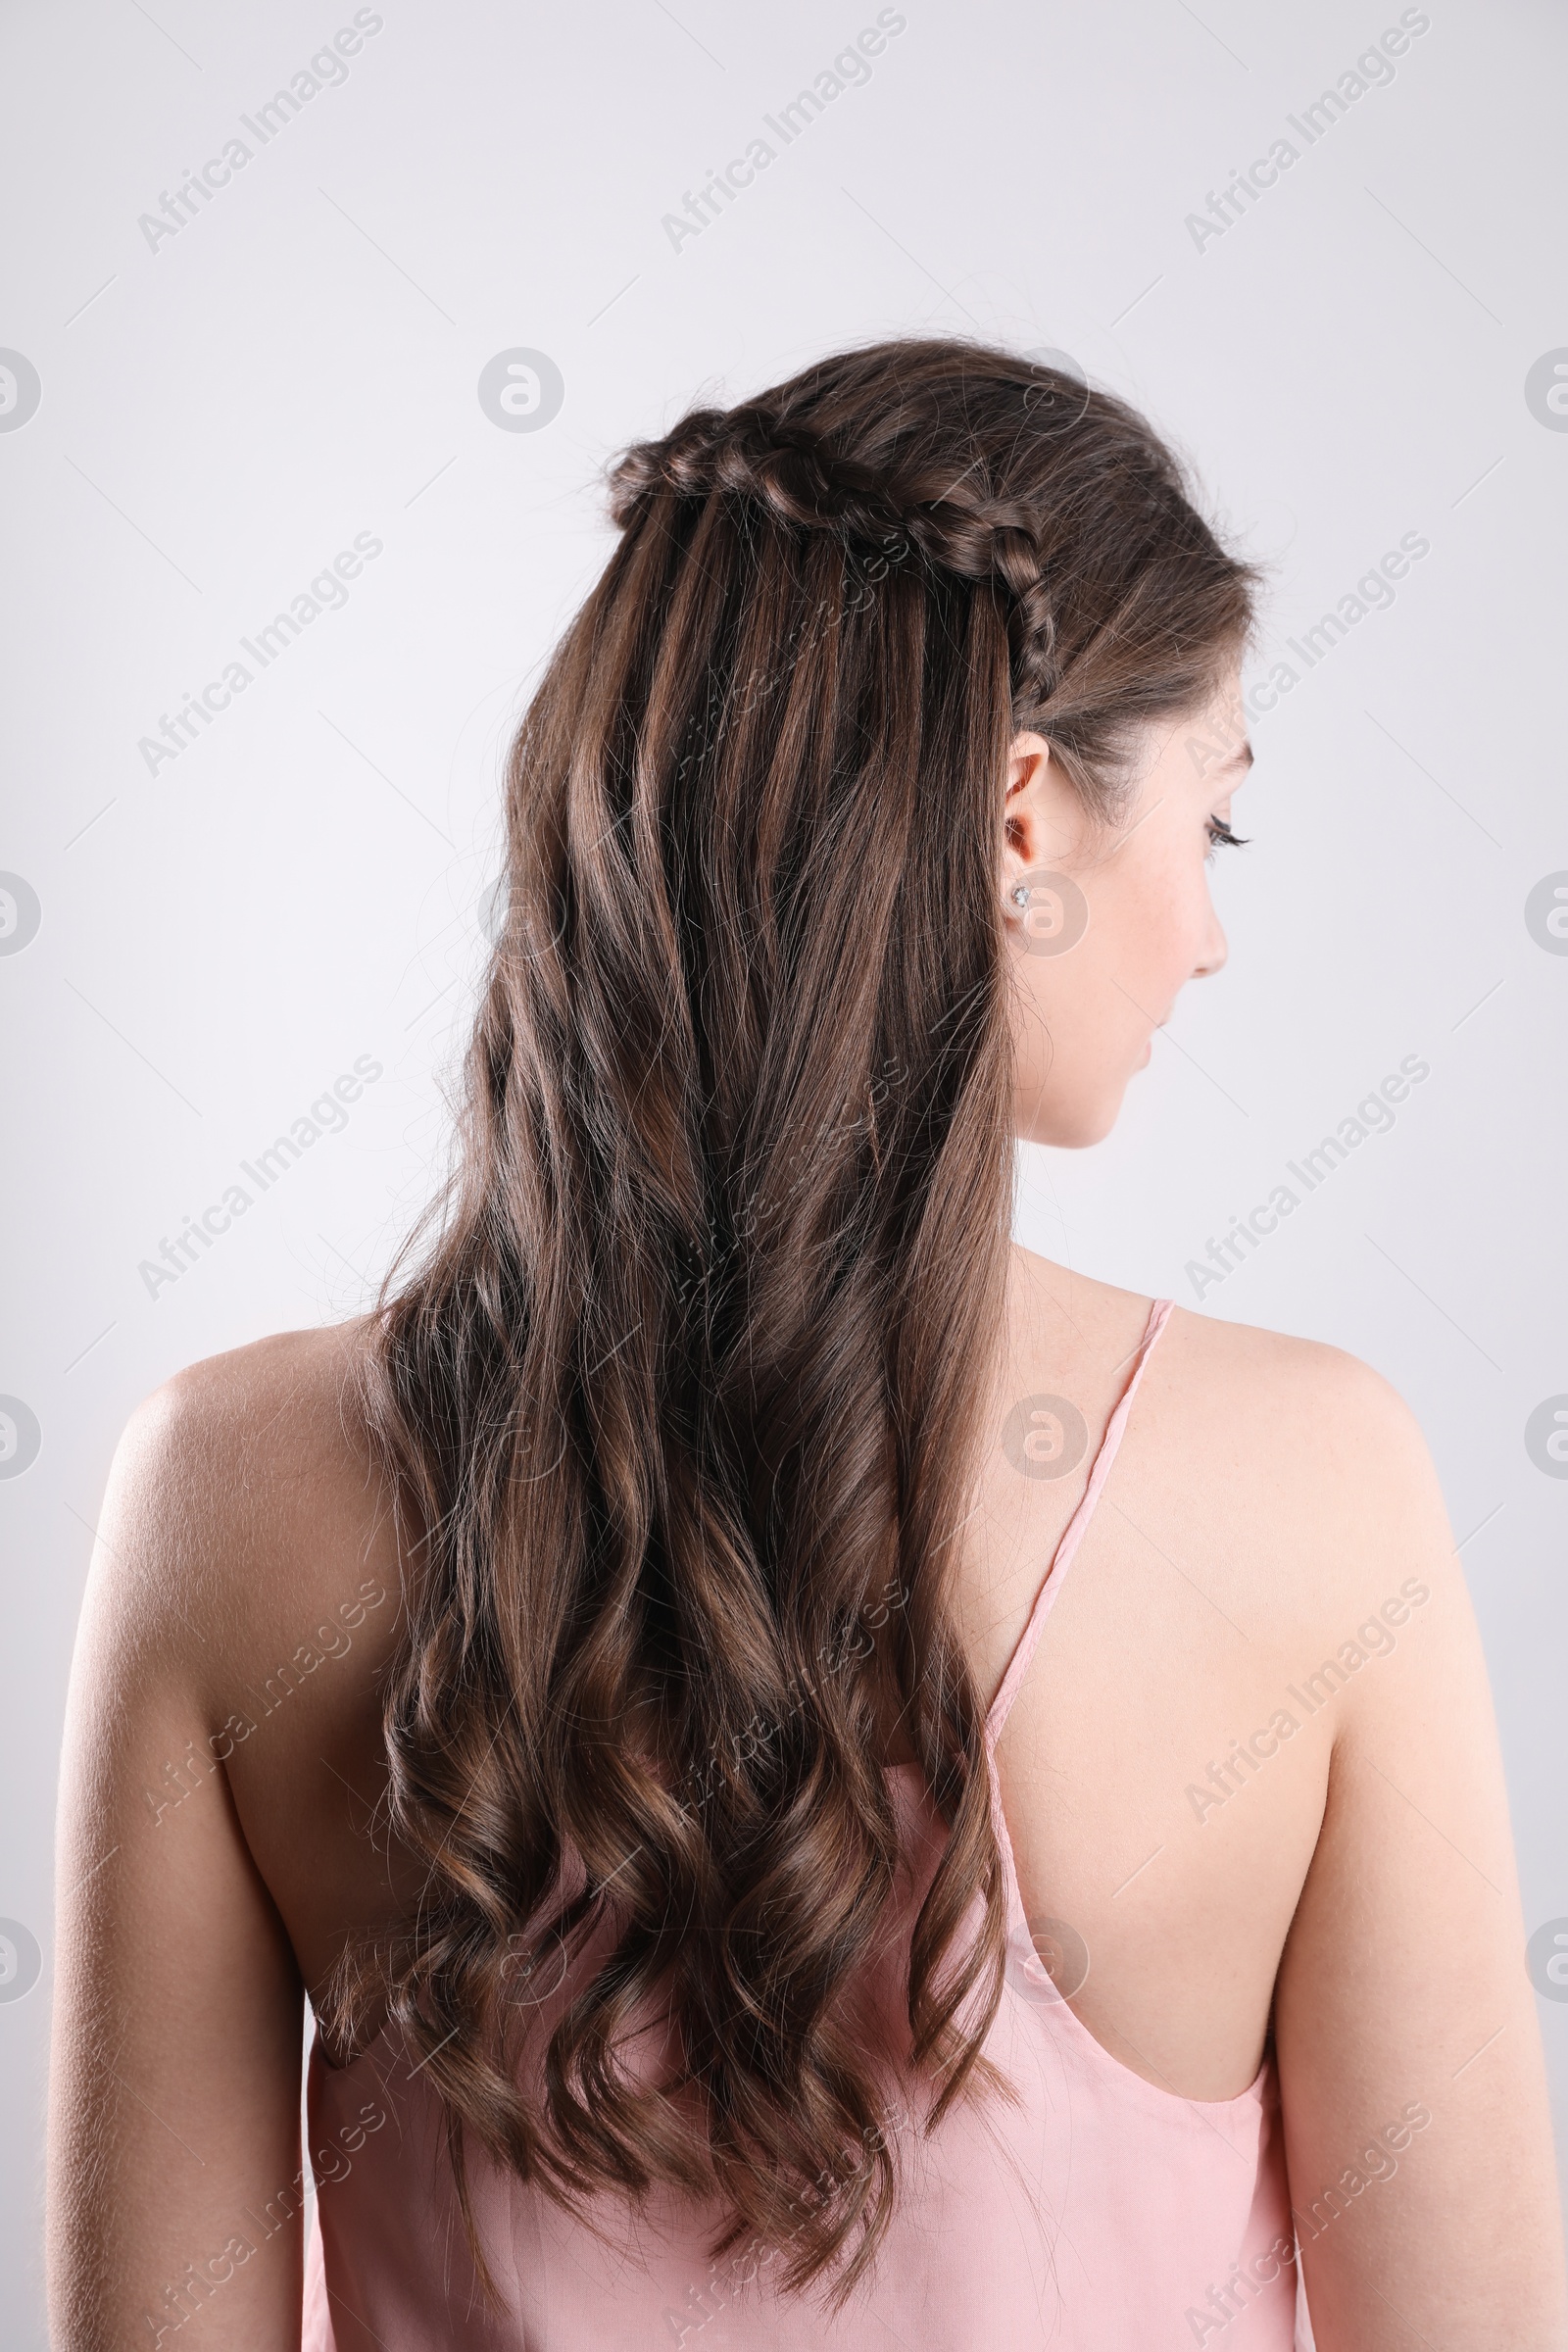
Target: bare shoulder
[1301, 1474]
[1295, 1407]
[1286, 1390]
[243, 1493]
[1286, 1394]
[298, 1388]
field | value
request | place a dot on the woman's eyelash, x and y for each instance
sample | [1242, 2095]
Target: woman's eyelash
[1221, 837]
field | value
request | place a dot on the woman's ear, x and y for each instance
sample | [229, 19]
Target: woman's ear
[1042, 813]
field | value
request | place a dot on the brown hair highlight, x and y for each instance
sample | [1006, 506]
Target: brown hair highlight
[683, 1393]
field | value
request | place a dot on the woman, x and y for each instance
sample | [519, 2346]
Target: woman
[622, 1680]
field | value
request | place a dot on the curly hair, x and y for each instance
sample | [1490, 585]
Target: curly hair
[680, 1398]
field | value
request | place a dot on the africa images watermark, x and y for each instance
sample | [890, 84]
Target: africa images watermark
[1372, 1115]
[326, 593]
[20, 1960]
[326, 70]
[1377, 2160]
[332, 1640]
[728, 2278]
[857, 1642]
[1372, 70]
[328, 1115]
[199, 2281]
[850, 69]
[1373, 1639]
[1373, 592]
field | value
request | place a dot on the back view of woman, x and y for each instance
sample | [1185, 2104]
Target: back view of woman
[829, 1781]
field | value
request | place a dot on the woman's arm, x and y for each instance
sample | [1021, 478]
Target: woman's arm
[176, 2184]
[1417, 2128]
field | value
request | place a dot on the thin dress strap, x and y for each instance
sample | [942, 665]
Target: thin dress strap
[1062, 1558]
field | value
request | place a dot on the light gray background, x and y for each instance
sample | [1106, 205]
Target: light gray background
[222, 415]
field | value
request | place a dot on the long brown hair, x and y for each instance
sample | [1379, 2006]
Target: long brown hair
[683, 1393]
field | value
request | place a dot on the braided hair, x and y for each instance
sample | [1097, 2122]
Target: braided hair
[680, 1401]
[1061, 498]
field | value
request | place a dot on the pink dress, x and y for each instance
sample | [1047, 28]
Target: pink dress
[1097, 2214]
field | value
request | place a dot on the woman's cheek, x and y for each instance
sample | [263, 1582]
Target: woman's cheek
[1145, 940]
[1183, 930]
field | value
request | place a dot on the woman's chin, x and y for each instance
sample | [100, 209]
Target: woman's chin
[1070, 1126]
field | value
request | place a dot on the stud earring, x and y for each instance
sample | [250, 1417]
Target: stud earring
[1020, 894]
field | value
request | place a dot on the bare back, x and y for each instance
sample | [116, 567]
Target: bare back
[1251, 1769]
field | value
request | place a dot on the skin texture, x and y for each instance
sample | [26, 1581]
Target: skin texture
[1271, 1498]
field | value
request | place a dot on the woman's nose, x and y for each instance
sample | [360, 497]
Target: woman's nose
[1214, 950]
